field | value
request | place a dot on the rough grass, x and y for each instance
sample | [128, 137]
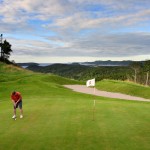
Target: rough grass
[124, 87]
[60, 119]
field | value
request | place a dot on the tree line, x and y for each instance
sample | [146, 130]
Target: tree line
[141, 71]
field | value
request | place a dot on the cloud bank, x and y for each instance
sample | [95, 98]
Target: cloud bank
[76, 28]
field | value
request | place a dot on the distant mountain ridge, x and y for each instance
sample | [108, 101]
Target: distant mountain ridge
[109, 63]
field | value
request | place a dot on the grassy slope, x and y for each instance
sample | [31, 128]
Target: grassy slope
[124, 87]
[59, 119]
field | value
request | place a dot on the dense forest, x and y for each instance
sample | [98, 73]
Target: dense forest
[109, 63]
[137, 71]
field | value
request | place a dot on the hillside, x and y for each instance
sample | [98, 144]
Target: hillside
[109, 63]
[65, 70]
[60, 119]
[81, 72]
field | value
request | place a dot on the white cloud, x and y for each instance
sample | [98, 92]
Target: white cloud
[81, 21]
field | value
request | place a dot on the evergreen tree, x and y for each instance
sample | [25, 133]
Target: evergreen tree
[6, 50]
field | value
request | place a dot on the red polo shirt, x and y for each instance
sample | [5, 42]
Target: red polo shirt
[16, 97]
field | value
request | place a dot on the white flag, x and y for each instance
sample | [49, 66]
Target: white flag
[90, 82]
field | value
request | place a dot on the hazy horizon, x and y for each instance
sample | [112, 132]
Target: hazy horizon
[79, 62]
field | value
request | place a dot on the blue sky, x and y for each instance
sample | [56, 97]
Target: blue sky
[76, 30]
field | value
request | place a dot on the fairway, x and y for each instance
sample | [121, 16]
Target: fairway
[59, 119]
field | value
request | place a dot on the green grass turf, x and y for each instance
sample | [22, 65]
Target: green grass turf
[60, 119]
[124, 87]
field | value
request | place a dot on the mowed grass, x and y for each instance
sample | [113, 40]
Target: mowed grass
[57, 118]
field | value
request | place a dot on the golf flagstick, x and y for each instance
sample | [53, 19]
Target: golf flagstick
[94, 106]
[92, 83]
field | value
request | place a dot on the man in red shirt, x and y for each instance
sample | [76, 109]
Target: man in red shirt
[17, 102]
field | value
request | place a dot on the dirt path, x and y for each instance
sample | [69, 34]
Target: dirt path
[87, 90]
